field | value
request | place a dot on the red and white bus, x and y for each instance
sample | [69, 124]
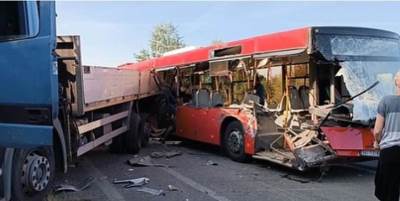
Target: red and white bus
[322, 86]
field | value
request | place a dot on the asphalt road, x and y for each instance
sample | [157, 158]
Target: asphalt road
[226, 181]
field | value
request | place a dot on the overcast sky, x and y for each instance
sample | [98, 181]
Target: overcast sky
[111, 32]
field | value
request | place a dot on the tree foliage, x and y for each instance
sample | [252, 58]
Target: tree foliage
[142, 55]
[164, 38]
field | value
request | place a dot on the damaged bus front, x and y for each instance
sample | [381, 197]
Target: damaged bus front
[362, 63]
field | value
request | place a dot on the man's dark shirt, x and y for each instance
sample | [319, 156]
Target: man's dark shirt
[260, 92]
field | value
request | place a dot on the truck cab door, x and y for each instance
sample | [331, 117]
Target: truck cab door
[29, 89]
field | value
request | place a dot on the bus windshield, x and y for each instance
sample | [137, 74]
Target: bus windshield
[359, 75]
[350, 47]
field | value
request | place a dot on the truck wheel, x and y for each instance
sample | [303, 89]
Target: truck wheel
[133, 135]
[33, 173]
[118, 144]
[233, 142]
[145, 129]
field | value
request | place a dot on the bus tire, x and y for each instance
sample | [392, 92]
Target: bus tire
[133, 137]
[33, 173]
[233, 142]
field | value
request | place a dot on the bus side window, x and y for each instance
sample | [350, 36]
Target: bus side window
[18, 19]
[274, 89]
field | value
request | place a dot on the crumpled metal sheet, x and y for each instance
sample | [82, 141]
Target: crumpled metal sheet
[71, 188]
[144, 162]
[133, 182]
[152, 191]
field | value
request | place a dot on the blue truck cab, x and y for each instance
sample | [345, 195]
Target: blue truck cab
[53, 109]
[28, 98]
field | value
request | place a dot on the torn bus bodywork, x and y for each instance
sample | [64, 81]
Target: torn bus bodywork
[322, 87]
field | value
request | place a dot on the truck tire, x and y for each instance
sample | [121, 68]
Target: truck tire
[233, 142]
[133, 137]
[33, 173]
[118, 144]
[145, 129]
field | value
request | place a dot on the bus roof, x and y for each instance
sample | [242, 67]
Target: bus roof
[297, 39]
[287, 40]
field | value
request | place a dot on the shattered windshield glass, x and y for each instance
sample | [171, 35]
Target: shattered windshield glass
[364, 60]
[364, 46]
[359, 75]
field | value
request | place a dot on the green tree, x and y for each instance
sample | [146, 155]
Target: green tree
[142, 55]
[164, 38]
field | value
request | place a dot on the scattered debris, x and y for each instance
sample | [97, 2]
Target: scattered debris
[197, 154]
[151, 191]
[293, 178]
[210, 162]
[144, 162]
[131, 169]
[173, 188]
[167, 154]
[157, 154]
[170, 154]
[133, 182]
[67, 187]
[173, 142]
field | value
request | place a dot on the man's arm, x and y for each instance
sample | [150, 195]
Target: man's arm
[379, 123]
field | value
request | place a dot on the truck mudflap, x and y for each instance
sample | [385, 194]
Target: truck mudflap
[351, 142]
[25, 136]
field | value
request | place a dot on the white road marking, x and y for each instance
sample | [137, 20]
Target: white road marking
[106, 187]
[195, 185]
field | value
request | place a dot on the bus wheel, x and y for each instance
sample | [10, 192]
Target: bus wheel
[134, 135]
[33, 173]
[233, 142]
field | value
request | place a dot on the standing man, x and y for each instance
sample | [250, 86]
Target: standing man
[260, 90]
[387, 139]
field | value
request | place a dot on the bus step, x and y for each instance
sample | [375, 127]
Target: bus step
[284, 158]
[264, 140]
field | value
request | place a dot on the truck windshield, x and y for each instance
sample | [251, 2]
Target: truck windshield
[18, 19]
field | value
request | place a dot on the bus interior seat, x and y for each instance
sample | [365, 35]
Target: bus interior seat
[216, 99]
[304, 96]
[295, 101]
[202, 98]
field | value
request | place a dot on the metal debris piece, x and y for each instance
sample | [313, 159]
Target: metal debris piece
[167, 154]
[131, 169]
[151, 191]
[67, 187]
[172, 188]
[293, 178]
[157, 154]
[173, 142]
[133, 182]
[210, 162]
[144, 162]
[170, 154]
